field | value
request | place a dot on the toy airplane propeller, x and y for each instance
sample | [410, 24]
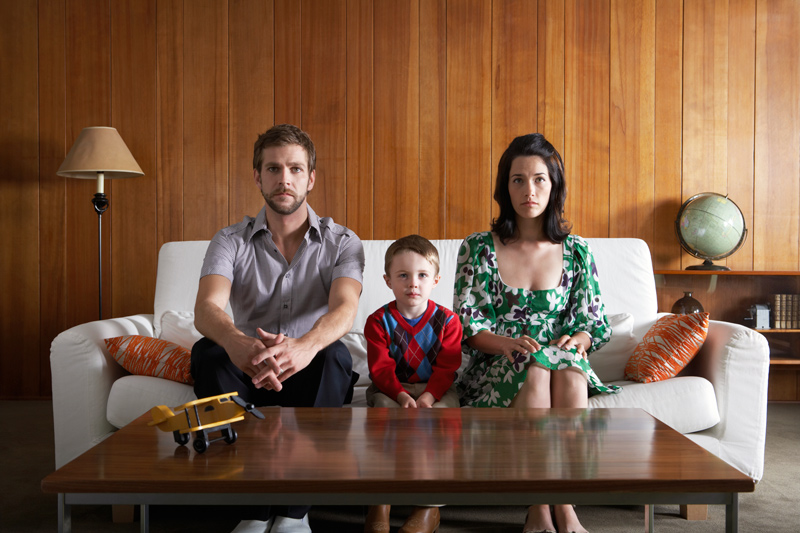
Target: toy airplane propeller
[215, 413]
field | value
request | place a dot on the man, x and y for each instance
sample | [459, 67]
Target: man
[293, 281]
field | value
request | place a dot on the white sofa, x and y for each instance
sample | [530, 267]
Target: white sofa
[718, 401]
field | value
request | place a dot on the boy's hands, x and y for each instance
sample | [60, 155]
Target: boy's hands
[425, 400]
[405, 400]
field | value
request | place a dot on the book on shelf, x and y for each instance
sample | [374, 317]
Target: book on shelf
[786, 311]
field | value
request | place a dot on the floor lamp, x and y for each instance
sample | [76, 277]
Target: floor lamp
[99, 153]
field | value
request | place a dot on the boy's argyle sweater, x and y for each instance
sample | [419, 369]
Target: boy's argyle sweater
[429, 351]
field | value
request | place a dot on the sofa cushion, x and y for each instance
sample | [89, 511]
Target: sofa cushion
[179, 265]
[667, 347]
[609, 361]
[132, 396]
[685, 403]
[178, 327]
[146, 356]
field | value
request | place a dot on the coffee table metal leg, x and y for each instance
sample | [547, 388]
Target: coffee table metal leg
[732, 514]
[144, 518]
[649, 518]
[64, 515]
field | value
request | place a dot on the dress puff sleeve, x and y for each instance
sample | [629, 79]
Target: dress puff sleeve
[585, 310]
[475, 287]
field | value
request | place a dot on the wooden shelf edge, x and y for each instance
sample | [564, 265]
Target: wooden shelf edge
[727, 272]
[777, 330]
[784, 362]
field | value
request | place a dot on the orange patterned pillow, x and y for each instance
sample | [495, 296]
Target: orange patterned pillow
[667, 347]
[148, 356]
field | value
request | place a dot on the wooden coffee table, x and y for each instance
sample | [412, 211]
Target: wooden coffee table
[359, 456]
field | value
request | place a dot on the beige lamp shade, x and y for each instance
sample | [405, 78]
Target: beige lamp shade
[97, 153]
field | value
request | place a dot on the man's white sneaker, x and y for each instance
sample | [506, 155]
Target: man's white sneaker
[284, 524]
[253, 526]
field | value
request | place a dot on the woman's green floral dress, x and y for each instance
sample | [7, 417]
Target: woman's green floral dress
[484, 302]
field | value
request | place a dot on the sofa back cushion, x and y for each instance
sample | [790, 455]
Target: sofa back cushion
[626, 280]
[179, 265]
[624, 265]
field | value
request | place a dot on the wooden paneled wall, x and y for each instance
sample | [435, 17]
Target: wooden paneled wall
[410, 104]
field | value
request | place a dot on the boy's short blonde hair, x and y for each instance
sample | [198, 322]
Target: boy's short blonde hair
[416, 244]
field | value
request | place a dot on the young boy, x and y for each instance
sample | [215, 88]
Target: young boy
[413, 351]
[413, 344]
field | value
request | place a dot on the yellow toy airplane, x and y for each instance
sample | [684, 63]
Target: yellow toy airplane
[213, 413]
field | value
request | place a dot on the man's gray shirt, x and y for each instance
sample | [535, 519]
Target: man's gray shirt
[267, 292]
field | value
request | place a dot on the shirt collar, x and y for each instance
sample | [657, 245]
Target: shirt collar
[260, 224]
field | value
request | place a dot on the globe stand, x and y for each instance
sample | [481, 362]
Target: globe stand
[707, 265]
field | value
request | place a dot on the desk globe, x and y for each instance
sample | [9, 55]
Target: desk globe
[710, 227]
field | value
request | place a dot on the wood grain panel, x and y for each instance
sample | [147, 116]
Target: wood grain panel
[514, 75]
[205, 107]
[469, 34]
[632, 101]
[360, 131]
[134, 250]
[550, 49]
[668, 130]
[251, 98]
[88, 103]
[741, 119]
[20, 364]
[396, 181]
[324, 100]
[434, 204]
[169, 119]
[705, 101]
[777, 168]
[288, 73]
[586, 131]
[52, 188]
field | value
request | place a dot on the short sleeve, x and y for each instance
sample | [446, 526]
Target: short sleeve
[586, 311]
[474, 285]
[220, 256]
[350, 261]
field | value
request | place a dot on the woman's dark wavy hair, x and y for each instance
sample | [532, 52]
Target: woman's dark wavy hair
[555, 226]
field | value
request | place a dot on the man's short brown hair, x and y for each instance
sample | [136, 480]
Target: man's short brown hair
[416, 244]
[284, 135]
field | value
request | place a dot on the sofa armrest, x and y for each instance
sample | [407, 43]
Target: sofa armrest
[82, 374]
[735, 359]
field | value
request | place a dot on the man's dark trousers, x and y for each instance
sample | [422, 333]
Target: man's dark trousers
[326, 382]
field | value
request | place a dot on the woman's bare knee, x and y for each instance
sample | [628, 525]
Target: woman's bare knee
[569, 389]
[535, 391]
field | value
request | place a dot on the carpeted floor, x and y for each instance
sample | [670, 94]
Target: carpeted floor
[27, 457]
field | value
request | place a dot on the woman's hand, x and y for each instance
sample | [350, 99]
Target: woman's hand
[523, 345]
[580, 341]
[491, 343]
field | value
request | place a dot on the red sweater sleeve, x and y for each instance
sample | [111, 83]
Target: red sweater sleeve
[448, 360]
[381, 365]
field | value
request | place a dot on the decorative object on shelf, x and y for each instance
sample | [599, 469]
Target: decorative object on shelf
[710, 226]
[687, 305]
[99, 153]
[759, 315]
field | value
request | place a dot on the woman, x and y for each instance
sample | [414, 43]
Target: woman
[529, 300]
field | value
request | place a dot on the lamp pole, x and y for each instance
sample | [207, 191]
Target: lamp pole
[100, 202]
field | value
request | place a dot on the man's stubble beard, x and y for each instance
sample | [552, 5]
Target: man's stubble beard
[281, 209]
